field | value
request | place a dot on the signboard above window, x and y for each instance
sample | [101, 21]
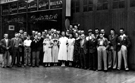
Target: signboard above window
[55, 4]
[43, 4]
[7, 1]
[13, 7]
[32, 5]
[22, 6]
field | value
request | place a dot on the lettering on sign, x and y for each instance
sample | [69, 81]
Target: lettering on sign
[32, 4]
[14, 20]
[45, 17]
[13, 7]
[43, 4]
[56, 4]
[7, 1]
[22, 5]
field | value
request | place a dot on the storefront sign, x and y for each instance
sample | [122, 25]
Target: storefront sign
[32, 5]
[46, 16]
[6, 1]
[43, 4]
[14, 20]
[22, 6]
[52, 17]
[13, 7]
[55, 4]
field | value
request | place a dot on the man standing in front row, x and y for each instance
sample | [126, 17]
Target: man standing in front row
[6, 46]
[16, 43]
[102, 52]
[92, 49]
[123, 43]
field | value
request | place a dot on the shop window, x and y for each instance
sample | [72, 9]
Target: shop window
[118, 4]
[5, 9]
[87, 5]
[102, 4]
[132, 3]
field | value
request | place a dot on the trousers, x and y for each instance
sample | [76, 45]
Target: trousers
[112, 59]
[35, 58]
[102, 56]
[122, 54]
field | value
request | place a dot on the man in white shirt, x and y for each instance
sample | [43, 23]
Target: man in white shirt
[27, 50]
[102, 54]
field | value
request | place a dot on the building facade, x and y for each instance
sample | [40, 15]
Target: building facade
[31, 15]
[107, 14]
[44, 14]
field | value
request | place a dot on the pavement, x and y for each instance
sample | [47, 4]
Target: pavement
[63, 75]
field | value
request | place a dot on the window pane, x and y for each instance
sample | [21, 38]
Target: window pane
[99, 6]
[85, 8]
[90, 8]
[77, 9]
[90, 2]
[115, 5]
[132, 3]
[77, 2]
[105, 1]
[105, 6]
[115, 0]
[121, 4]
[84, 2]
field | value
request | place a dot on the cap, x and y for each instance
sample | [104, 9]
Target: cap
[90, 30]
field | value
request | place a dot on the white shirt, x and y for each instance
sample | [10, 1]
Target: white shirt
[27, 42]
[6, 41]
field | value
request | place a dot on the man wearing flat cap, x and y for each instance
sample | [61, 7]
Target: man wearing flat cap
[91, 54]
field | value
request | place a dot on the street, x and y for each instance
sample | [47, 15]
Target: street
[63, 75]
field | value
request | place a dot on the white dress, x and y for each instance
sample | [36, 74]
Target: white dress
[70, 49]
[62, 55]
[47, 51]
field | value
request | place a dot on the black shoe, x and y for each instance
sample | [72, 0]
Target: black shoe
[105, 70]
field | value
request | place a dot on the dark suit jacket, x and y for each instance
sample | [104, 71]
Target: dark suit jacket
[113, 41]
[83, 46]
[4, 46]
[91, 45]
[35, 46]
[126, 42]
[20, 42]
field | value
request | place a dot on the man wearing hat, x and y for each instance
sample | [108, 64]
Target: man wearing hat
[83, 51]
[91, 46]
[123, 43]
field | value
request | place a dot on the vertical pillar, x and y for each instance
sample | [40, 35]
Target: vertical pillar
[63, 15]
[0, 21]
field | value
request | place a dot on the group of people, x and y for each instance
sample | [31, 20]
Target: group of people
[74, 48]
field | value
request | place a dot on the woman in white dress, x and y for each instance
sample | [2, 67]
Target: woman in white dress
[55, 49]
[47, 46]
[62, 55]
[71, 42]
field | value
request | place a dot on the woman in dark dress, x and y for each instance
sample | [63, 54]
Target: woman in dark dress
[76, 50]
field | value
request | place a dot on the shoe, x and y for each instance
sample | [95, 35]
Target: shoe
[118, 69]
[127, 69]
[105, 70]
